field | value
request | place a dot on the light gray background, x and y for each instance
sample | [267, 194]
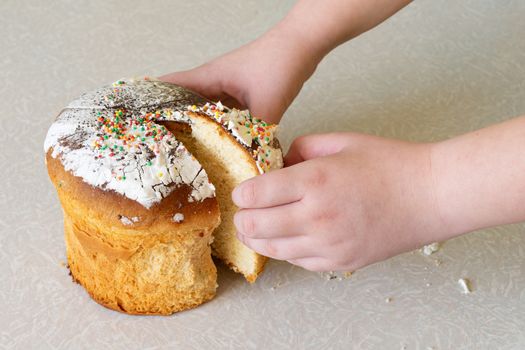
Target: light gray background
[437, 69]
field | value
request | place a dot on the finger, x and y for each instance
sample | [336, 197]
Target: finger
[185, 78]
[276, 222]
[271, 189]
[197, 79]
[280, 248]
[266, 108]
[313, 146]
[317, 264]
[230, 102]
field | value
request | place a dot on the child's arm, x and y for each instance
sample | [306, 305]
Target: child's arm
[347, 200]
[267, 74]
[480, 177]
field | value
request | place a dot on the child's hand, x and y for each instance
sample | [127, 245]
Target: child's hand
[343, 201]
[267, 74]
[264, 76]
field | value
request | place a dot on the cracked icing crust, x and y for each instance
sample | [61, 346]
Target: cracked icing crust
[111, 138]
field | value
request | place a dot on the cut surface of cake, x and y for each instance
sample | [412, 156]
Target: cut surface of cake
[228, 165]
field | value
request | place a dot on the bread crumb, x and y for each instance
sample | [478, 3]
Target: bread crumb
[332, 275]
[430, 248]
[178, 218]
[275, 286]
[465, 284]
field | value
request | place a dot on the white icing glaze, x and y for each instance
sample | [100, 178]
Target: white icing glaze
[178, 217]
[111, 138]
[128, 221]
[144, 168]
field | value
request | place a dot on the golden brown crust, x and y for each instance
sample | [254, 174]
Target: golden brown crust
[168, 303]
[116, 205]
[152, 266]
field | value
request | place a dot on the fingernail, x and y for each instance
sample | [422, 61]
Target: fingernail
[235, 195]
[236, 222]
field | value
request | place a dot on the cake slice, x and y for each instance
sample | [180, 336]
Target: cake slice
[232, 146]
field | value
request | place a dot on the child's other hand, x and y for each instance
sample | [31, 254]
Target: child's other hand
[264, 75]
[344, 201]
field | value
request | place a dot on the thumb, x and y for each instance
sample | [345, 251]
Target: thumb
[314, 146]
[197, 79]
[265, 106]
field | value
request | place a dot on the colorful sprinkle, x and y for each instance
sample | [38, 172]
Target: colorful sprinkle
[121, 131]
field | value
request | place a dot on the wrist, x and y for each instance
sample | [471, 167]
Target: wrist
[452, 203]
[424, 215]
[281, 59]
[295, 46]
[307, 41]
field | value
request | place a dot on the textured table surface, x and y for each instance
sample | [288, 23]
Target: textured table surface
[437, 69]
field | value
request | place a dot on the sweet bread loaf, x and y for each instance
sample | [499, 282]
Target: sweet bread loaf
[144, 171]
